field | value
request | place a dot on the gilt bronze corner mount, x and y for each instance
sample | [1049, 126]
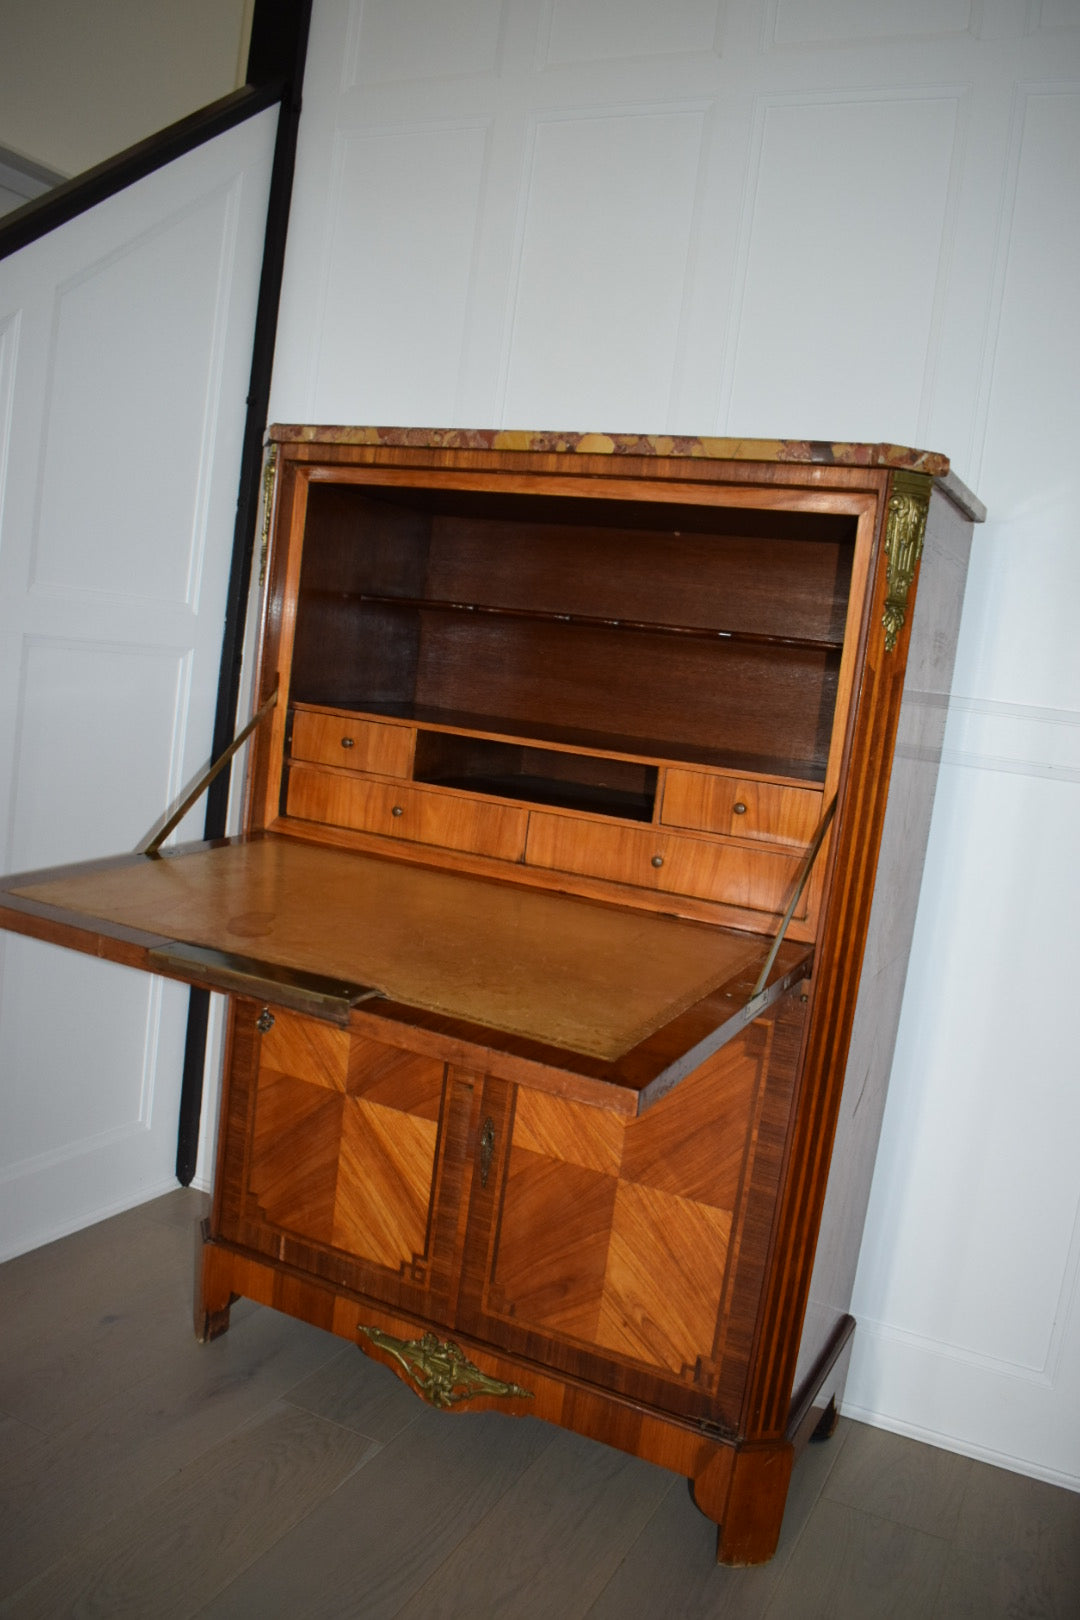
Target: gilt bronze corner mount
[905, 527]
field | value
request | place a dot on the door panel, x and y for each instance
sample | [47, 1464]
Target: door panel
[125, 348]
[614, 1247]
[349, 1156]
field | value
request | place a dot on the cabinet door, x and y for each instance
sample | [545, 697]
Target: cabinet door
[339, 1156]
[632, 1252]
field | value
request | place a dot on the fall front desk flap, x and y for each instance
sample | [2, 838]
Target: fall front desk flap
[325, 930]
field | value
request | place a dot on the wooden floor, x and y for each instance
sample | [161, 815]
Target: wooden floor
[277, 1472]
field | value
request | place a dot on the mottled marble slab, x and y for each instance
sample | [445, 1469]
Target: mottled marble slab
[806, 452]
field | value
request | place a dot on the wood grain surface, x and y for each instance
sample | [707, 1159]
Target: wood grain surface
[566, 972]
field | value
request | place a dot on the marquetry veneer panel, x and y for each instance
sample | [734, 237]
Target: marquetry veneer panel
[317, 1051]
[621, 1234]
[294, 1155]
[664, 1274]
[384, 1183]
[343, 1145]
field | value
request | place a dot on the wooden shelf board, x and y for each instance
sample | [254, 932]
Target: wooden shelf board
[585, 621]
[644, 750]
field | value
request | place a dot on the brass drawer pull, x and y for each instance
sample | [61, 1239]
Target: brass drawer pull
[487, 1149]
[265, 1021]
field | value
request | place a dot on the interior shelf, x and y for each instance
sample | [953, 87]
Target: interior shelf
[514, 770]
[684, 634]
[551, 793]
[646, 750]
[576, 620]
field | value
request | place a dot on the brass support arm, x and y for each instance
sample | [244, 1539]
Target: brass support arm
[804, 877]
[154, 844]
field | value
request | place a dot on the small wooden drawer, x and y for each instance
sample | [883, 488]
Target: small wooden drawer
[759, 879]
[424, 816]
[740, 808]
[358, 745]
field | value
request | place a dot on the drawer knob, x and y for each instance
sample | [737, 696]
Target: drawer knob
[348, 742]
[739, 809]
[265, 1021]
[397, 810]
[658, 860]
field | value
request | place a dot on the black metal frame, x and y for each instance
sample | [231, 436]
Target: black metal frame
[278, 52]
[73, 197]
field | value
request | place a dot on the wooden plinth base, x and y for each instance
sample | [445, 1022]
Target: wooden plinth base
[740, 1484]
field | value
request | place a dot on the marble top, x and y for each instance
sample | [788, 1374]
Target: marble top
[811, 452]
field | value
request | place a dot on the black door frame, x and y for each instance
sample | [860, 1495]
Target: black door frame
[276, 56]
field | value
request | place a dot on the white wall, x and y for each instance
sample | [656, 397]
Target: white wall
[82, 79]
[820, 218]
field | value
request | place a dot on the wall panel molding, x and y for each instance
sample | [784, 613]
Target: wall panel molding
[809, 247]
[101, 1140]
[964, 1390]
[1022, 739]
[1052, 16]
[377, 323]
[405, 41]
[819, 24]
[127, 281]
[1045, 1372]
[990, 734]
[56, 789]
[575, 302]
[578, 31]
[1025, 95]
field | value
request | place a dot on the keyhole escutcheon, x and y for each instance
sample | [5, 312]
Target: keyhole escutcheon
[487, 1149]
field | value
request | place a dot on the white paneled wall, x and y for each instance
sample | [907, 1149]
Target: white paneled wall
[125, 352]
[821, 237]
[799, 218]
[588, 249]
[441, 173]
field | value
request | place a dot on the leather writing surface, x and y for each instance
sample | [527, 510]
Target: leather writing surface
[569, 972]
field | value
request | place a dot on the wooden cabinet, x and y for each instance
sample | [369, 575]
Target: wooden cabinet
[543, 939]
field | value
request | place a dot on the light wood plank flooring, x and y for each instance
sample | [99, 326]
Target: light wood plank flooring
[278, 1472]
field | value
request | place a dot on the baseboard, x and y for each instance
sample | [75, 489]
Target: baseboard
[963, 1448]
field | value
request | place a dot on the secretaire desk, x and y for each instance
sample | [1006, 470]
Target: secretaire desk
[566, 936]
